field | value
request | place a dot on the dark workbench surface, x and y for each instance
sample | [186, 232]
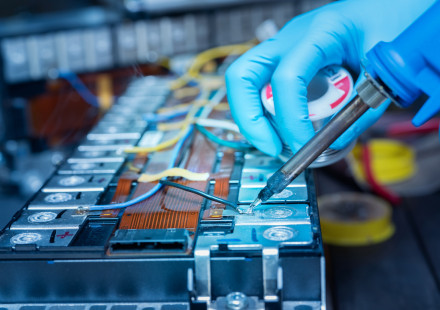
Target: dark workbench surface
[400, 273]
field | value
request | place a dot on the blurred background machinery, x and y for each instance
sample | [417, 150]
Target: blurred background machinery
[45, 107]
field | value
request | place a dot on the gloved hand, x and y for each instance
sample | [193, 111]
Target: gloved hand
[338, 33]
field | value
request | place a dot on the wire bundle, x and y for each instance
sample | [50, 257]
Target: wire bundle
[197, 114]
[206, 56]
[203, 121]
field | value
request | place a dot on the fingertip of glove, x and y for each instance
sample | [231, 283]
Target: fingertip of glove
[342, 143]
[272, 149]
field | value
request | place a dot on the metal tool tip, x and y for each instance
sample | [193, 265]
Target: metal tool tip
[253, 205]
[256, 203]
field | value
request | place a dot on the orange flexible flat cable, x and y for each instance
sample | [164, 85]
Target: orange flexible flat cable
[171, 207]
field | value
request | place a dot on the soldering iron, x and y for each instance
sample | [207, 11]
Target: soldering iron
[401, 71]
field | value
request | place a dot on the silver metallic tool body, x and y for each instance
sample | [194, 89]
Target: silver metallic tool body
[371, 94]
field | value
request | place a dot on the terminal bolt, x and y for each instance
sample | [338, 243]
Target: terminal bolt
[237, 301]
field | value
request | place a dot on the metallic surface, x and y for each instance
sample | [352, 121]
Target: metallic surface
[249, 230]
[107, 145]
[115, 132]
[96, 157]
[288, 194]
[90, 168]
[39, 238]
[372, 93]
[202, 263]
[272, 214]
[36, 220]
[63, 200]
[74, 183]
[258, 178]
[271, 282]
[237, 301]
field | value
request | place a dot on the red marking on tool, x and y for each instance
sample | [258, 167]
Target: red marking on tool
[344, 85]
[269, 93]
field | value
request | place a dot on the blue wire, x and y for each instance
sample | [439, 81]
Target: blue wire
[151, 117]
[176, 151]
[80, 88]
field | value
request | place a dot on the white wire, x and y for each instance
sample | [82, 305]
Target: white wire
[216, 123]
[215, 100]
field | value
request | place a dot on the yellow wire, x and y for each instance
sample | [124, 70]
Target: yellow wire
[208, 55]
[181, 82]
[131, 167]
[222, 107]
[180, 124]
[177, 107]
[174, 172]
[217, 52]
[211, 82]
[160, 146]
[171, 126]
[186, 92]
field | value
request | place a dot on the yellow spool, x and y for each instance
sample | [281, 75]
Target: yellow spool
[354, 219]
[391, 161]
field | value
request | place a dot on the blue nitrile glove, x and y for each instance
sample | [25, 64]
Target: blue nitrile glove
[338, 33]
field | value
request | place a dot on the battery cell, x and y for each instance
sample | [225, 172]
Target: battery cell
[115, 132]
[90, 168]
[248, 237]
[60, 219]
[149, 86]
[40, 238]
[78, 183]
[284, 214]
[114, 118]
[128, 110]
[253, 162]
[151, 138]
[144, 101]
[258, 178]
[64, 200]
[107, 145]
[247, 195]
[97, 156]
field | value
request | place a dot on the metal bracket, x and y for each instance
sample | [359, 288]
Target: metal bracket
[272, 275]
[323, 288]
[202, 266]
